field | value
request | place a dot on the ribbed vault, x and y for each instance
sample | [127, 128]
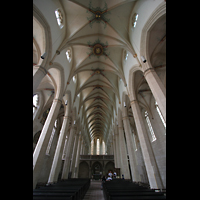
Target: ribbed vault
[97, 36]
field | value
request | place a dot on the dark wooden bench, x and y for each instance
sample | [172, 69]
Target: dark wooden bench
[73, 189]
[124, 190]
[136, 193]
[51, 198]
[138, 198]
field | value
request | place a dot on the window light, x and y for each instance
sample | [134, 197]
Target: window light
[160, 114]
[150, 126]
[59, 18]
[134, 20]
[74, 79]
[136, 17]
[35, 102]
[68, 54]
[98, 147]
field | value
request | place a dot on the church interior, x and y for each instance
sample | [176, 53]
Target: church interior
[99, 91]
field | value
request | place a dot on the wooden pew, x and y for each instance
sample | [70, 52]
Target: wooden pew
[127, 190]
[72, 189]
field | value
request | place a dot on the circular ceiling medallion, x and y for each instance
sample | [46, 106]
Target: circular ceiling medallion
[98, 15]
[98, 49]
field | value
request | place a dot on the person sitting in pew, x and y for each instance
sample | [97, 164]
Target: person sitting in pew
[109, 178]
[114, 175]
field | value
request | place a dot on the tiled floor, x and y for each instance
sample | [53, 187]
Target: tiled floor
[94, 192]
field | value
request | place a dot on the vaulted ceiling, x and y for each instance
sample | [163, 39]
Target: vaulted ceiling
[97, 35]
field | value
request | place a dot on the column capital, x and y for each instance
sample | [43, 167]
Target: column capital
[133, 101]
[125, 117]
[57, 100]
[66, 117]
[148, 70]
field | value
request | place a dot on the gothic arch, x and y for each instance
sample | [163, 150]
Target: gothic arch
[38, 16]
[83, 170]
[109, 167]
[59, 79]
[96, 164]
[155, 16]
[131, 85]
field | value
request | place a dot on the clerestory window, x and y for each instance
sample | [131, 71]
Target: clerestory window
[51, 138]
[68, 54]
[59, 18]
[35, 102]
[92, 147]
[134, 20]
[160, 114]
[98, 147]
[150, 126]
[104, 148]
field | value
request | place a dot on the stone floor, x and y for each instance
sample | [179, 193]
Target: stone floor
[94, 192]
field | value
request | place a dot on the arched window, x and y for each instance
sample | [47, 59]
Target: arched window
[68, 54]
[125, 55]
[160, 114]
[35, 102]
[64, 149]
[59, 18]
[134, 20]
[104, 148]
[74, 79]
[92, 147]
[98, 147]
[51, 138]
[150, 126]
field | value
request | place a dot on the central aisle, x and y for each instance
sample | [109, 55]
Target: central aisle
[94, 192]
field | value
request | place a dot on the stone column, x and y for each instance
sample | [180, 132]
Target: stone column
[70, 144]
[117, 147]
[100, 147]
[83, 150]
[75, 172]
[74, 154]
[82, 144]
[86, 150]
[124, 160]
[131, 151]
[94, 147]
[38, 76]
[114, 151]
[55, 168]
[147, 152]
[40, 149]
[157, 88]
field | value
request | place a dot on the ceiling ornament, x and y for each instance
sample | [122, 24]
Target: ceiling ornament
[97, 72]
[98, 14]
[98, 48]
[98, 87]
